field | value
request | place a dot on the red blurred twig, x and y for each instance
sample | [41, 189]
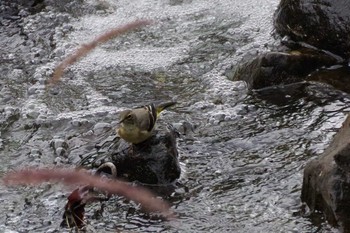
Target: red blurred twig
[81, 177]
[86, 48]
[74, 210]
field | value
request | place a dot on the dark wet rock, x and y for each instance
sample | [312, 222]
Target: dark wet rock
[326, 183]
[276, 68]
[324, 24]
[60, 147]
[154, 161]
[337, 76]
[284, 94]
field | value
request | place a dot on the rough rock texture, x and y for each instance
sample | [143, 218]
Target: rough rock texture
[326, 184]
[324, 24]
[154, 161]
[338, 77]
[276, 68]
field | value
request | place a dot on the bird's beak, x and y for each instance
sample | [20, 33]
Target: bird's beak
[122, 120]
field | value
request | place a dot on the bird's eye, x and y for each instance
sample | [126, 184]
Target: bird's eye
[128, 117]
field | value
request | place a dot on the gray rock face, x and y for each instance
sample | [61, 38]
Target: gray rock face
[326, 184]
[321, 23]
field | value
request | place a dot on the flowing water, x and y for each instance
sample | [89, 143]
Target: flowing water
[243, 162]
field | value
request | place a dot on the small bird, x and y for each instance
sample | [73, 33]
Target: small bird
[136, 125]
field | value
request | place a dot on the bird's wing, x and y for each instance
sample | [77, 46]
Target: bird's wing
[146, 120]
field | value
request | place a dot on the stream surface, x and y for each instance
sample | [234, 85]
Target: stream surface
[242, 164]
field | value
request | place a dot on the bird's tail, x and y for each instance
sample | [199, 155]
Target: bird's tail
[162, 106]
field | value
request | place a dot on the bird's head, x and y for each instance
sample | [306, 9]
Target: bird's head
[127, 117]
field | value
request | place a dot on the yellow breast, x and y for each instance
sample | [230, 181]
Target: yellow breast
[133, 134]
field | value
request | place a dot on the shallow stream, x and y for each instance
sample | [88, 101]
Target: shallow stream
[243, 162]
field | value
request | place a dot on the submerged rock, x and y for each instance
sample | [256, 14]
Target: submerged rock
[337, 76]
[276, 68]
[326, 184]
[324, 24]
